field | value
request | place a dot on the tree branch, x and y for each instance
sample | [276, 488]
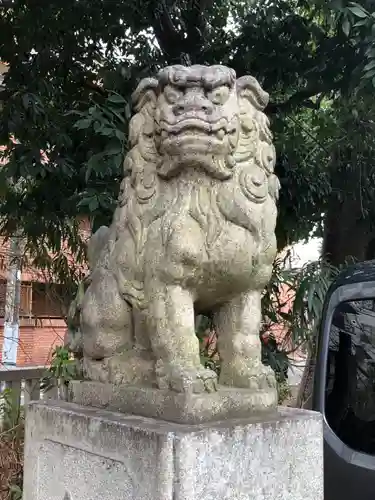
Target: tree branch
[301, 98]
[195, 27]
[181, 44]
[169, 39]
[93, 86]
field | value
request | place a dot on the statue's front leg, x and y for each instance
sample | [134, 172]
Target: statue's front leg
[174, 343]
[238, 325]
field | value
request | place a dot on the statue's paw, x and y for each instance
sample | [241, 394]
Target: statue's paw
[266, 378]
[178, 378]
[94, 370]
[255, 378]
[131, 368]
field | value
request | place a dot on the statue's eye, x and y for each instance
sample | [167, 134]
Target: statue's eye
[219, 95]
[172, 94]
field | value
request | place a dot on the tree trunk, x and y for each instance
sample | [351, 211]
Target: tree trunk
[347, 234]
[348, 230]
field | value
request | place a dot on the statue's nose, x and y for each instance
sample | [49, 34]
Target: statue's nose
[193, 104]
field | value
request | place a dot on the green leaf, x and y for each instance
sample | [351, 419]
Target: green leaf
[360, 23]
[84, 123]
[107, 131]
[336, 4]
[358, 11]
[114, 150]
[116, 99]
[370, 74]
[26, 101]
[370, 65]
[84, 202]
[120, 135]
[15, 492]
[74, 112]
[346, 26]
[93, 204]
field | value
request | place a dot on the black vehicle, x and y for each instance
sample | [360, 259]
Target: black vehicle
[344, 384]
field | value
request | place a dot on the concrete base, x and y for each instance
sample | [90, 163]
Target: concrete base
[80, 453]
[183, 408]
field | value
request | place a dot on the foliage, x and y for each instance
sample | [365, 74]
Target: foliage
[284, 391]
[301, 143]
[357, 21]
[11, 447]
[294, 299]
[62, 369]
[292, 305]
[205, 332]
[73, 67]
[62, 366]
[10, 411]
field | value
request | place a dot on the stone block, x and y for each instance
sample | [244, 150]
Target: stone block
[183, 408]
[82, 453]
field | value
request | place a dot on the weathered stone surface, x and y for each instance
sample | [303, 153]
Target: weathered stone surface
[194, 231]
[90, 454]
[172, 406]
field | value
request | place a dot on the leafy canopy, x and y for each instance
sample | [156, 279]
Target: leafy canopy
[74, 64]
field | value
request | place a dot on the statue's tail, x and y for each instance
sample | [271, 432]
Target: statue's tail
[73, 335]
[96, 246]
[96, 254]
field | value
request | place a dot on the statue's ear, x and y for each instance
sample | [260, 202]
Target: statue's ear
[248, 88]
[253, 100]
[144, 101]
[144, 93]
[274, 186]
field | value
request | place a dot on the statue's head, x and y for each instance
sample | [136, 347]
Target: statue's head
[198, 115]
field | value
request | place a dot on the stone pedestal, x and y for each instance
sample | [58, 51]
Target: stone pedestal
[81, 453]
[179, 407]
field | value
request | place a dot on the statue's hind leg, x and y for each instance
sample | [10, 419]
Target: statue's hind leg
[109, 350]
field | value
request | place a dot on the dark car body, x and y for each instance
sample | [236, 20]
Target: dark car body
[344, 384]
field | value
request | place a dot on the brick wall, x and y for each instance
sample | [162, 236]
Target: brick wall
[37, 342]
[41, 313]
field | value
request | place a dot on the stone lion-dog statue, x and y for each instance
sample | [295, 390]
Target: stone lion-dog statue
[194, 231]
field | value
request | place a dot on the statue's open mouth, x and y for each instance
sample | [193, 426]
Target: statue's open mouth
[207, 137]
[219, 134]
[193, 127]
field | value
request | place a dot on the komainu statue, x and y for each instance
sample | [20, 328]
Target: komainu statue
[193, 232]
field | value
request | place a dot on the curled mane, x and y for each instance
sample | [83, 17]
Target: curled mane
[254, 183]
[141, 189]
[140, 200]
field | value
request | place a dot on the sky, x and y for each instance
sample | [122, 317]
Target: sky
[302, 253]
